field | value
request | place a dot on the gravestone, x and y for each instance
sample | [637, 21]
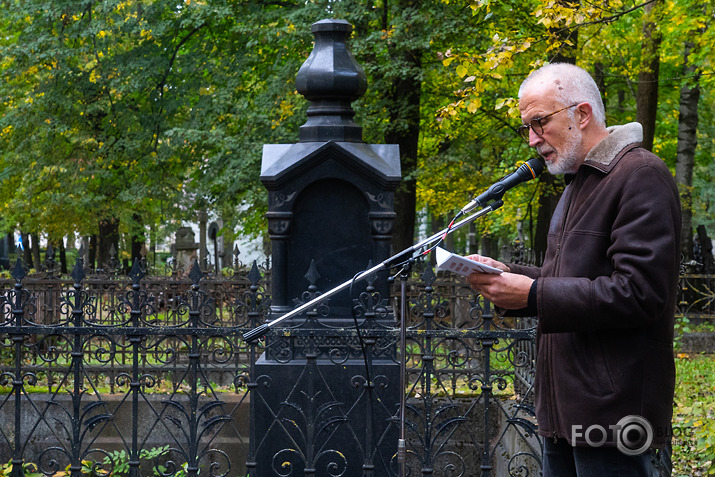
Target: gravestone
[330, 214]
[185, 248]
[6, 245]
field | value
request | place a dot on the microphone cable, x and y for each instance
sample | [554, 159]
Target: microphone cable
[369, 384]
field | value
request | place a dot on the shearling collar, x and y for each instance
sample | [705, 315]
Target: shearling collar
[620, 136]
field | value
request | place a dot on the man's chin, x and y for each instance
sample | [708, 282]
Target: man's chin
[555, 167]
[561, 167]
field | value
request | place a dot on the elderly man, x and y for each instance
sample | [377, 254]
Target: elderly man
[605, 294]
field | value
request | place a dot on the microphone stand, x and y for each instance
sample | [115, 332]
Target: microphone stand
[391, 262]
[401, 441]
[405, 259]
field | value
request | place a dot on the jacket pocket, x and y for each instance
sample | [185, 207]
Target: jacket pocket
[596, 375]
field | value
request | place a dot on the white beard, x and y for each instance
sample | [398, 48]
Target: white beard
[568, 159]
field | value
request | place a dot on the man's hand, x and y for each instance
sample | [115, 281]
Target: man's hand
[488, 261]
[506, 290]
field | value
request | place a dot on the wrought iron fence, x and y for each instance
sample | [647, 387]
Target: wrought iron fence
[141, 375]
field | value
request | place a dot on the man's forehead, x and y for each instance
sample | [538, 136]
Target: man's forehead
[537, 101]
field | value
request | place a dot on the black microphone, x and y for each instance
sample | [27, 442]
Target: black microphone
[527, 171]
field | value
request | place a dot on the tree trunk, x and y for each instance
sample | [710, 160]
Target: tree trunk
[27, 250]
[706, 250]
[489, 246]
[36, 251]
[108, 238]
[566, 53]
[137, 238]
[647, 96]
[63, 256]
[405, 118]
[551, 187]
[401, 93]
[92, 253]
[599, 76]
[687, 142]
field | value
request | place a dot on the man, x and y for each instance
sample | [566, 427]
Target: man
[605, 294]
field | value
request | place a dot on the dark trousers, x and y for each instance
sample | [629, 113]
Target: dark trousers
[560, 459]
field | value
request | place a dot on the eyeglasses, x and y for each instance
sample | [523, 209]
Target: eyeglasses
[536, 126]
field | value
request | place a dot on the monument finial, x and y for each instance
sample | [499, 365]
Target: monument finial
[331, 79]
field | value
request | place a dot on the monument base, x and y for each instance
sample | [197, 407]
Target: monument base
[305, 427]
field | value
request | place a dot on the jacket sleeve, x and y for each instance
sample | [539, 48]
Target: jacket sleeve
[637, 280]
[531, 272]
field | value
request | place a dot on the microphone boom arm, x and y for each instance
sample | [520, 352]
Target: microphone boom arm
[261, 330]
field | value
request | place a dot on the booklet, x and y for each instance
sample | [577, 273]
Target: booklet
[458, 264]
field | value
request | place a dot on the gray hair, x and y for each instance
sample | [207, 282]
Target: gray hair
[576, 86]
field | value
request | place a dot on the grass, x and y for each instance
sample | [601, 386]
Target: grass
[694, 416]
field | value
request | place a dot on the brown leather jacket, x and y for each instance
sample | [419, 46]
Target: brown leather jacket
[606, 294]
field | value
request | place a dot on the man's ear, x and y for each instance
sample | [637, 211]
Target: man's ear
[584, 115]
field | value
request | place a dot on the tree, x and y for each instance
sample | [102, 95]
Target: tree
[93, 90]
[688, 119]
[564, 43]
[404, 98]
[606, 32]
[138, 113]
[396, 44]
[687, 144]
[647, 99]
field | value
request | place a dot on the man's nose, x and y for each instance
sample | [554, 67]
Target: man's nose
[534, 139]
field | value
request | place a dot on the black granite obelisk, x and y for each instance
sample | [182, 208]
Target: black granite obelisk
[330, 215]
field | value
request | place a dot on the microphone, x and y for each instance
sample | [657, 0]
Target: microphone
[527, 171]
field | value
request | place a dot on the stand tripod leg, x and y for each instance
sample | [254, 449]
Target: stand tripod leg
[401, 443]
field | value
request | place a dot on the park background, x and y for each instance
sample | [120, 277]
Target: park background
[120, 120]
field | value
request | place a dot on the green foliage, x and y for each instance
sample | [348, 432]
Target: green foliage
[89, 99]
[28, 470]
[694, 416]
[115, 464]
[525, 35]
[118, 461]
[125, 107]
[684, 325]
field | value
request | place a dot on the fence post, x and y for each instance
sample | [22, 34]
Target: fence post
[19, 299]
